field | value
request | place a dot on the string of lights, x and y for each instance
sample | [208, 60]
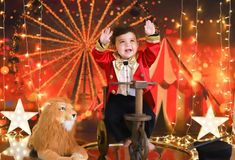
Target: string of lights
[4, 69]
[221, 29]
[58, 72]
[29, 65]
[72, 20]
[228, 31]
[222, 50]
[40, 56]
[80, 78]
[179, 42]
[68, 77]
[93, 92]
[195, 40]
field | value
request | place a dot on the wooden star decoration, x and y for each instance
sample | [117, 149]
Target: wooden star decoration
[19, 118]
[209, 123]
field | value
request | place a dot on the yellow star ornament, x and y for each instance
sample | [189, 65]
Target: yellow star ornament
[19, 118]
[209, 123]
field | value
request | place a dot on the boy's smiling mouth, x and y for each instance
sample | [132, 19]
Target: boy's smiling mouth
[128, 50]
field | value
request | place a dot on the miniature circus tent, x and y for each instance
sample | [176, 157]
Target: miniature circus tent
[175, 95]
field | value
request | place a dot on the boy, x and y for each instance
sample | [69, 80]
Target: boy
[125, 65]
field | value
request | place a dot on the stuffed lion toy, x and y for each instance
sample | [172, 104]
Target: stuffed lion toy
[53, 137]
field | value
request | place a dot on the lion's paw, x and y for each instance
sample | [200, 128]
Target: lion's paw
[65, 158]
[77, 156]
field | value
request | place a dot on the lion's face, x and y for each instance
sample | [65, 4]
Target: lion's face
[55, 129]
[62, 112]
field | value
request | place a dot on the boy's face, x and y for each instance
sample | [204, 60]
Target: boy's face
[126, 45]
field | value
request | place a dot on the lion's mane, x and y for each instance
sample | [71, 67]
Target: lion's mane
[49, 133]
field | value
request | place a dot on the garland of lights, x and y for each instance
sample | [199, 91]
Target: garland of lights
[32, 7]
[4, 70]
[195, 40]
[179, 42]
[228, 31]
[29, 65]
[225, 57]
[40, 55]
[230, 61]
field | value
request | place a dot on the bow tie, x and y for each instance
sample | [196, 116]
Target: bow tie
[121, 62]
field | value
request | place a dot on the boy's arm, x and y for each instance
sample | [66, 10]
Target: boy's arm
[152, 49]
[101, 47]
[153, 39]
[152, 35]
[153, 44]
[101, 55]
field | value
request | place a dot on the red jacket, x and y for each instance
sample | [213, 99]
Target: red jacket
[144, 58]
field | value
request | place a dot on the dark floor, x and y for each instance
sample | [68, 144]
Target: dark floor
[16, 150]
[86, 134]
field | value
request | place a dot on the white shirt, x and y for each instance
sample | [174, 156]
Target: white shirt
[126, 75]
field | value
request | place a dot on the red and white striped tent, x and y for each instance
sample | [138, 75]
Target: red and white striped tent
[175, 92]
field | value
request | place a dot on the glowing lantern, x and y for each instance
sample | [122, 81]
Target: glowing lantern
[205, 65]
[32, 97]
[179, 42]
[197, 76]
[4, 70]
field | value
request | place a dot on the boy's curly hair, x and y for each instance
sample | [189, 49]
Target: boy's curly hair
[119, 30]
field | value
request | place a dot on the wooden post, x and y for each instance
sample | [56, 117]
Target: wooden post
[139, 101]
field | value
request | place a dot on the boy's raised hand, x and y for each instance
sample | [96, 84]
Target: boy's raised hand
[149, 28]
[105, 36]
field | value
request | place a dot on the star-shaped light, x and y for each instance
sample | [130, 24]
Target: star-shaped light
[19, 118]
[209, 123]
[17, 149]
